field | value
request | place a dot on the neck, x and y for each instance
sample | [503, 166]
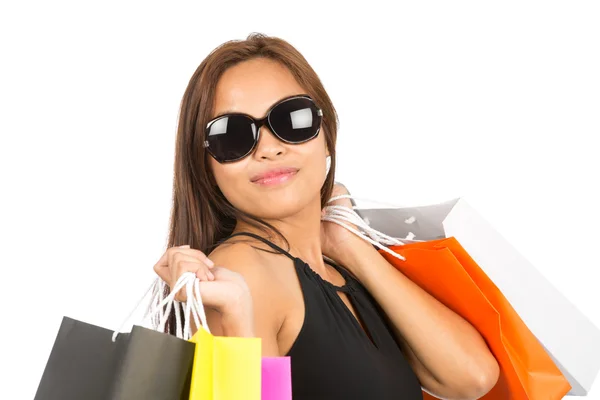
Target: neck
[302, 231]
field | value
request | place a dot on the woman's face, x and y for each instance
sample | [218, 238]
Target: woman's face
[252, 87]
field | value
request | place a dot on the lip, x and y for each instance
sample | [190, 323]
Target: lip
[274, 176]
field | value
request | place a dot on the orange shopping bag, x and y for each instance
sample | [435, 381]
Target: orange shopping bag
[447, 272]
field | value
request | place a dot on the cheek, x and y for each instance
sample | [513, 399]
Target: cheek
[318, 156]
[314, 165]
[230, 178]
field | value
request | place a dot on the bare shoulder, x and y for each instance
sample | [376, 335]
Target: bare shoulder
[242, 256]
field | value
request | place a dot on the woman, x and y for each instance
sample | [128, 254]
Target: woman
[256, 127]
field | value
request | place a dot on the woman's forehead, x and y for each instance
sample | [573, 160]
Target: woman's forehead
[252, 87]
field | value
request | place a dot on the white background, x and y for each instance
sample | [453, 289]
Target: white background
[498, 102]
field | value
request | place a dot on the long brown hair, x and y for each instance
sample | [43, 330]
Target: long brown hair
[201, 216]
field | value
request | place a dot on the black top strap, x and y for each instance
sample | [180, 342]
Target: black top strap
[265, 241]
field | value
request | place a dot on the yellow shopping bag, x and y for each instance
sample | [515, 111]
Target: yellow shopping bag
[225, 368]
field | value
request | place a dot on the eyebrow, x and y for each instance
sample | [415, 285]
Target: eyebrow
[229, 111]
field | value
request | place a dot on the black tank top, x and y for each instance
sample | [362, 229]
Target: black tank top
[333, 358]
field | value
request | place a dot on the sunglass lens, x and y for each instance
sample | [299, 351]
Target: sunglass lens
[296, 120]
[231, 137]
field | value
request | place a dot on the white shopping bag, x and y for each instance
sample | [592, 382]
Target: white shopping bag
[571, 339]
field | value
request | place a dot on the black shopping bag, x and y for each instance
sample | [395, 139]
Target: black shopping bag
[85, 364]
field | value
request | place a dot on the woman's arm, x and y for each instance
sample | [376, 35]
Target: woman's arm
[449, 356]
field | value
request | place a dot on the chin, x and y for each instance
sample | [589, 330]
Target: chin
[277, 209]
[279, 204]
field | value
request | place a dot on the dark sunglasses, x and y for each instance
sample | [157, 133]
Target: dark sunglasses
[293, 120]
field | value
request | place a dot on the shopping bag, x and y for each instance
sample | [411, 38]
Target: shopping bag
[225, 368]
[86, 364]
[570, 338]
[447, 272]
[145, 364]
[276, 378]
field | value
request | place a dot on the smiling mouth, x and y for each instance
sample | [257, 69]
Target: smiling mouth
[276, 178]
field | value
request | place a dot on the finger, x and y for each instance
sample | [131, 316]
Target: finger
[165, 258]
[163, 273]
[198, 254]
[171, 253]
[202, 275]
[180, 257]
[181, 296]
[205, 275]
[159, 269]
[198, 269]
[181, 263]
[185, 263]
[162, 261]
[203, 272]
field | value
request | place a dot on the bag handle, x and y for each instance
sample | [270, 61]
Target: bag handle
[157, 290]
[194, 307]
[342, 215]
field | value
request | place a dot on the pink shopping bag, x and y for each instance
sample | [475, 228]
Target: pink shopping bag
[276, 378]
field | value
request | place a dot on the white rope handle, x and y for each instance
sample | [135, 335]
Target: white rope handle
[154, 288]
[347, 214]
[409, 221]
[341, 215]
[200, 306]
[189, 312]
[178, 330]
[168, 301]
[157, 297]
[195, 307]
[156, 305]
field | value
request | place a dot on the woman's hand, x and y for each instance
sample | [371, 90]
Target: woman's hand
[178, 260]
[221, 289]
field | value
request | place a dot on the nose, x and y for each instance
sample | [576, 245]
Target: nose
[269, 147]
